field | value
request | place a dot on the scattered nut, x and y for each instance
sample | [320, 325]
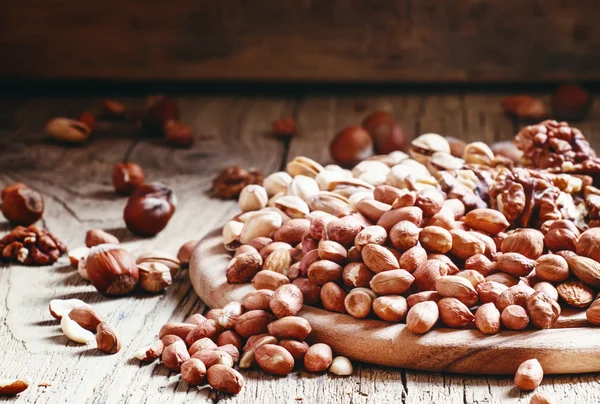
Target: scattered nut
[225, 379]
[193, 371]
[22, 205]
[175, 355]
[75, 332]
[149, 209]
[107, 339]
[95, 237]
[11, 387]
[151, 352]
[154, 277]
[318, 358]
[529, 375]
[86, 317]
[111, 269]
[274, 359]
[126, 177]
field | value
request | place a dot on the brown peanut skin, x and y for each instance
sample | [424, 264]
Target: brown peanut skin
[225, 379]
[253, 322]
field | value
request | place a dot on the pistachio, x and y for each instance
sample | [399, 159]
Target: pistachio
[231, 234]
[253, 197]
[304, 166]
[277, 183]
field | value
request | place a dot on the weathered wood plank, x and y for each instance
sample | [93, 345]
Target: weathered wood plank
[382, 41]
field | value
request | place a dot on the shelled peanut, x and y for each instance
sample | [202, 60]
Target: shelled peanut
[263, 331]
[472, 241]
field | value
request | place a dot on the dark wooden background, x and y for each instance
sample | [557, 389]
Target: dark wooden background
[301, 40]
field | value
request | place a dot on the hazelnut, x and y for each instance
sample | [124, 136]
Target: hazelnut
[542, 310]
[351, 145]
[193, 371]
[159, 110]
[107, 338]
[225, 379]
[274, 359]
[22, 205]
[126, 177]
[529, 375]
[387, 135]
[154, 276]
[185, 252]
[552, 268]
[68, 130]
[318, 358]
[149, 209]
[571, 102]
[528, 242]
[94, 237]
[175, 355]
[178, 134]
[112, 270]
[589, 243]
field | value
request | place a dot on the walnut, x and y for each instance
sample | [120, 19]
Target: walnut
[558, 147]
[31, 246]
[230, 182]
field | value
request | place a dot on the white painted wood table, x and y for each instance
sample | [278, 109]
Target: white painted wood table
[77, 188]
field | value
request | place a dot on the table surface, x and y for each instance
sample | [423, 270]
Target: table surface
[230, 130]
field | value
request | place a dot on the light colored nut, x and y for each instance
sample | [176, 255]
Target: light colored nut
[78, 254]
[75, 332]
[154, 276]
[287, 300]
[11, 387]
[378, 258]
[253, 322]
[261, 224]
[107, 339]
[292, 206]
[472, 276]
[150, 353]
[253, 197]
[487, 318]
[195, 318]
[231, 234]
[318, 358]
[162, 257]
[454, 313]
[425, 145]
[229, 314]
[193, 371]
[278, 261]
[269, 280]
[341, 366]
[358, 302]
[390, 308]
[542, 310]
[489, 291]
[478, 153]
[276, 245]
[274, 359]
[301, 165]
[86, 317]
[575, 293]
[248, 357]
[393, 282]
[457, 287]
[514, 317]
[372, 209]
[68, 130]
[529, 375]
[60, 308]
[277, 182]
[257, 299]
[422, 317]
[332, 297]
[540, 398]
[225, 379]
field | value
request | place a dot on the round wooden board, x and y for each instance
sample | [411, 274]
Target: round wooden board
[559, 350]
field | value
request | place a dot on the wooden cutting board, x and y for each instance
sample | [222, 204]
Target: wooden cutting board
[572, 347]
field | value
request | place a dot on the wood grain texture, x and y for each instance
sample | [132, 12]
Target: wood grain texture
[301, 40]
[79, 196]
